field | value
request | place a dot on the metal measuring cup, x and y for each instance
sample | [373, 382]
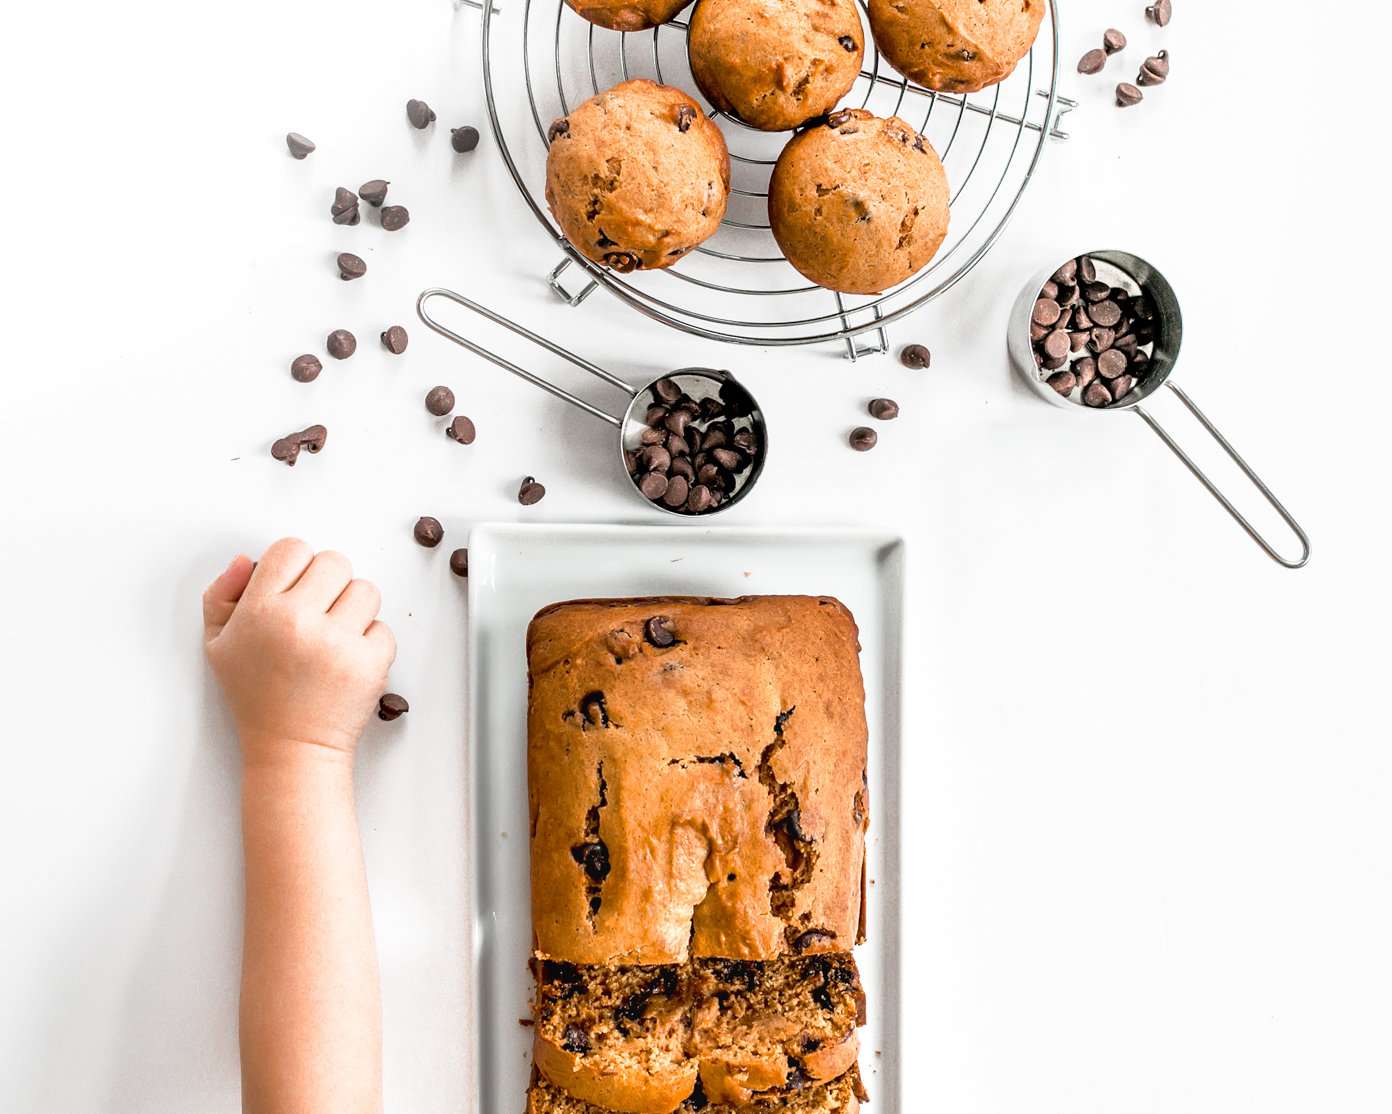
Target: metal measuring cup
[698, 382]
[1137, 275]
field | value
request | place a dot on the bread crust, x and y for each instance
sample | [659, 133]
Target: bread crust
[627, 15]
[723, 776]
[655, 1091]
[955, 46]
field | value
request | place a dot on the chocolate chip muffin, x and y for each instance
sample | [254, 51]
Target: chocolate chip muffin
[858, 203]
[775, 63]
[956, 46]
[627, 15]
[637, 176]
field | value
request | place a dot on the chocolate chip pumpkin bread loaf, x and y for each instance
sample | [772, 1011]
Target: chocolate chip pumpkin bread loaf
[698, 808]
[842, 1095]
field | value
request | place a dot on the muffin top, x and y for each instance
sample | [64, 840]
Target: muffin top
[775, 63]
[637, 176]
[858, 203]
[626, 15]
[955, 45]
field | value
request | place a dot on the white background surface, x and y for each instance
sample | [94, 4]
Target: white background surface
[1147, 768]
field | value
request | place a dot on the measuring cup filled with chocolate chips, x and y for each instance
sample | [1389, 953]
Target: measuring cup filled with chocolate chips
[691, 442]
[1101, 333]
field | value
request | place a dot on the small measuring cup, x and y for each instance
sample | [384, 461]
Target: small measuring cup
[698, 382]
[1135, 272]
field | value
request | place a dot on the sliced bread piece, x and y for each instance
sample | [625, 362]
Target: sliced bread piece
[842, 1095]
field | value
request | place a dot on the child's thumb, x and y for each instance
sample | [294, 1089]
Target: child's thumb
[220, 600]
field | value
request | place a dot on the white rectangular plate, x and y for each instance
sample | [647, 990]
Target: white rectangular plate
[515, 571]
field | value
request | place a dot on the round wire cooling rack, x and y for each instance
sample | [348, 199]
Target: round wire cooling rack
[540, 60]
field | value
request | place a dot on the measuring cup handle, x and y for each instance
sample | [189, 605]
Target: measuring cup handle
[536, 380]
[1213, 490]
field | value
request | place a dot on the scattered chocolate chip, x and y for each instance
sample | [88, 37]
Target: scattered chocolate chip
[350, 266]
[558, 128]
[883, 408]
[915, 356]
[419, 113]
[428, 532]
[395, 217]
[686, 115]
[658, 631]
[313, 438]
[1127, 95]
[464, 139]
[625, 262]
[306, 368]
[1092, 61]
[530, 492]
[1159, 12]
[1154, 69]
[341, 344]
[1113, 40]
[299, 145]
[288, 447]
[392, 707]
[863, 439]
[344, 209]
[439, 401]
[461, 430]
[459, 562]
[1097, 395]
[1063, 382]
[394, 340]
[374, 192]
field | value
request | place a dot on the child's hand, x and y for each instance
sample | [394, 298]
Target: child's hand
[296, 645]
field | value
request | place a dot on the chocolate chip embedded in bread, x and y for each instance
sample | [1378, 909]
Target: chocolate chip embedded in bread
[558, 128]
[848, 44]
[658, 631]
[593, 710]
[625, 262]
[685, 115]
[576, 1040]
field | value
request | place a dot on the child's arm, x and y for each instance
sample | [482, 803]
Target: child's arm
[302, 660]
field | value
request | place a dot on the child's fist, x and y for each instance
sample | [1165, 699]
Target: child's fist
[297, 647]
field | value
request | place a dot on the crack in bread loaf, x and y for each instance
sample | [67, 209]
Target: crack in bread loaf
[842, 1095]
[634, 1038]
[696, 779]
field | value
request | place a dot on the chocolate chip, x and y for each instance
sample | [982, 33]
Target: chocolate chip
[344, 209]
[313, 437]
[530, 492]
[395, 217]
[350, 266]
[1111, 363]
[701, 499]
[341, 344]
[678, 491]
[1068, 294]
[428, 532]
[1063, 382]
[631, 461]
[654, 485]
[863, 439]
[1078, 339]
[883, 408]
[655, 458]
[746, 441]
[419, 113]
[677, 421]
[1120, 385]
[394, 340]
[575, 1039]
[1092, 61]
[1094, 292]
[464, 139]
[656, 415]
[653, 435]
[374, 192]
[1081, 320]
[1127, 95]
[306, 368]
[1049, 290]
[848, 44]
[1106, 313]
[439, 401]
[685, 117]
[1053, 363]
[1084, 370]
[677, 445]
[1037, 331]
[1057, 345]
[1159, 12]
[658, 631]
[1097, 395]
[459, 562]
[1087, 271]
[915, 356]
[558, 128]
[1155, 69]
[286, 449]
[299, 145]
[1100, 339]
[461, 430]
[836, 119]
[681, 466]
[1046, 311]
[625, 262]
[729, 460]
[666, 390]
[392, 707]
[1113, 40]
